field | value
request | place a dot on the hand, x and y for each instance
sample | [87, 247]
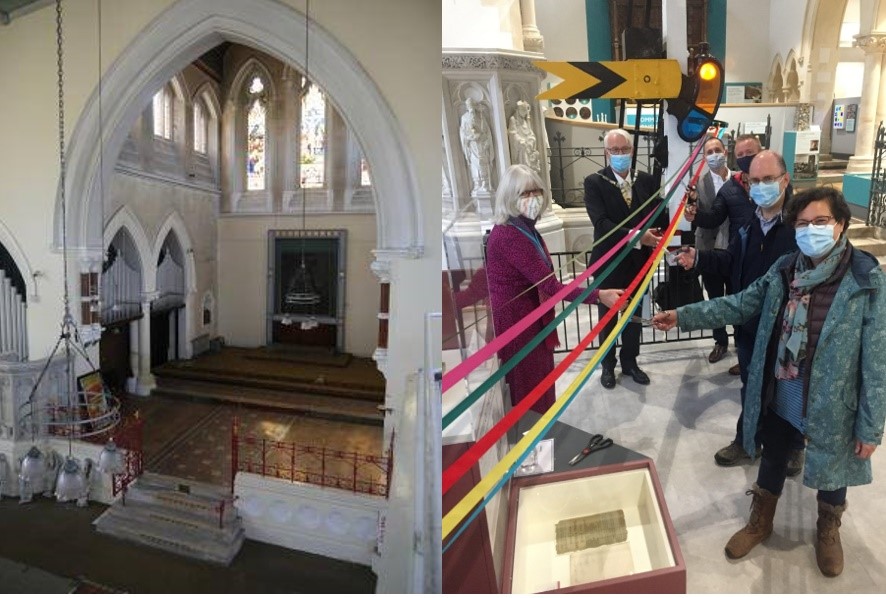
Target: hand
[690, 211]
[665, 320]
[864, 451]
[651, 237]
[608, 297]
[686, 258]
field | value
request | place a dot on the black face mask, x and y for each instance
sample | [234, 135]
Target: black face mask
[744, 163]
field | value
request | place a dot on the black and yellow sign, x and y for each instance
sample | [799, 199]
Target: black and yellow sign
[639, 79]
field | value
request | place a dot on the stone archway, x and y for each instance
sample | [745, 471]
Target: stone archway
[184, 32]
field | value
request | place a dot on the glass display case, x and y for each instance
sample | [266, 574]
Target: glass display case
[600, 529]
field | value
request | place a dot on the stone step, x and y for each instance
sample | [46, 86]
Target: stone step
[200, 502]
[179, 516]
[355, 410]
[873, 246]
[136, 525]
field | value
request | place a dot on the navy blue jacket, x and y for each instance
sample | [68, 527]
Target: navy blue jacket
[732, 202]
[749, 256]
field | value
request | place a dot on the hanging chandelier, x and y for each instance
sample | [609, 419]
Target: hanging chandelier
[82, 407]
[302, 293]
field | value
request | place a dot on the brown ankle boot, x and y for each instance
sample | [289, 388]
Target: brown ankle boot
[828, 550]
[759, 525]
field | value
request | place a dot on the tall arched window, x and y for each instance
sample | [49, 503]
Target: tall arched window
[312, 138]
[200, 128]
[256, 135]
[163, 124]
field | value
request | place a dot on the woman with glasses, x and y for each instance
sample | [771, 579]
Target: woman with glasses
[817, 367]
[521, 277]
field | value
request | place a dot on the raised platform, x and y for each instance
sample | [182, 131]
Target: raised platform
[313, 383]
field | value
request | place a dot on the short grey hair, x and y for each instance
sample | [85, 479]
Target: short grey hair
[517, 179]
[621, 133]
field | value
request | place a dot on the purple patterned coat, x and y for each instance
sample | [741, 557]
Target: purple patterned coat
[515, 263]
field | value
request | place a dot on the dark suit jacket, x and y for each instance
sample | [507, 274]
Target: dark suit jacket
[606, 208]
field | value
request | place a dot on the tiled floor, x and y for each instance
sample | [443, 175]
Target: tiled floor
[192, 439]
[680, 420]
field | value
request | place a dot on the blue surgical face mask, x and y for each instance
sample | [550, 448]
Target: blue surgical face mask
[816, 241]
[766, 195]
[744, 163]
[620, 163]
[715, 161]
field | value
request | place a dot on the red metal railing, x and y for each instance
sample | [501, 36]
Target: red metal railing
[320, 466]
[128, 438]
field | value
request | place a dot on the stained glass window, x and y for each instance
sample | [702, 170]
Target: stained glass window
[312, 138]
[255, 138]
[199, 128]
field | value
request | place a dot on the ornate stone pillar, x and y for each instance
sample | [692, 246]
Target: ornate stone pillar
[874, 46]
[532, 38]
[382, 271]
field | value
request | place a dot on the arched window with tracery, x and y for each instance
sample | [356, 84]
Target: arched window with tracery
[163, 113]
[200, 128]
[312, 138]
[256, 134]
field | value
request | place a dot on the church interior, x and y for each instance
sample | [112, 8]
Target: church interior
[615, 488]
[216, 254]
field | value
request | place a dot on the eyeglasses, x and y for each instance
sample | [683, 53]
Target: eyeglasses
[766, 179]
[531, 192]
[819, 221]
[619, 151]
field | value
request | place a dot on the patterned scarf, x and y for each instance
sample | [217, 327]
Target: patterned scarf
[792, 345]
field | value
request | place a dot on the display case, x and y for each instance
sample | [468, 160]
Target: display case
[599, 529]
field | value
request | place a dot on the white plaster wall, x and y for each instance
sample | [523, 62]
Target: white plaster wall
[748, 56]
[563, 25]
[243, 268]
[786, 20]
[335, 523]
[482, 24]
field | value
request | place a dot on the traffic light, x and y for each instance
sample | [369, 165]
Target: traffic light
[699, 96]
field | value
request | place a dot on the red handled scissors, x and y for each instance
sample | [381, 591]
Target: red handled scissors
[597, 443]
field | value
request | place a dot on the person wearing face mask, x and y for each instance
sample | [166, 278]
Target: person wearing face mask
[612, 195]
[733, 201]
[751, 252]
[520, 277]
[817, 367]
[713, 180]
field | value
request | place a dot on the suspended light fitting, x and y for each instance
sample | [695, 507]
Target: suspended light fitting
[75, 414]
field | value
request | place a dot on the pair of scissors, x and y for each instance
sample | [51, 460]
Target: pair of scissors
[597, 443]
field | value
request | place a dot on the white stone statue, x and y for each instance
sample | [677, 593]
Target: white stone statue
[476, 142]
[524, 149]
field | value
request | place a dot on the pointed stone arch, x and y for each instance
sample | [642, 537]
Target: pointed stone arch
[7, 240]
[125, 218]
[776, 80]
[181, 34]
[175, 223]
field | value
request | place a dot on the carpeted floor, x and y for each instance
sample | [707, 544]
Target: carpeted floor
[59, 540]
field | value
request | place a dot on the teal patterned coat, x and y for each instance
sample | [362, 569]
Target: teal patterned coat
[847, 384]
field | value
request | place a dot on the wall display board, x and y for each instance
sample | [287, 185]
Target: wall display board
[801, 151]
[743, 93]
[839, 116]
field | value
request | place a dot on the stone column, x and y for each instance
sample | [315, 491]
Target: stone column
[146, 380]
[874, 46]
[532, 38]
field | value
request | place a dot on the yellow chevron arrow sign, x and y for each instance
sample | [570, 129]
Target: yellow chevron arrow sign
[638, 79]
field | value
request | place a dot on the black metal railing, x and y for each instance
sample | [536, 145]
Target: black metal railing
[581, 321]
[570, 166]
[877, 201]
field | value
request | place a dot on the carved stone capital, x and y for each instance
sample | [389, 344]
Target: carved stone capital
[532, 39]
[872, 43]
[382, 270]
[489, 62]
